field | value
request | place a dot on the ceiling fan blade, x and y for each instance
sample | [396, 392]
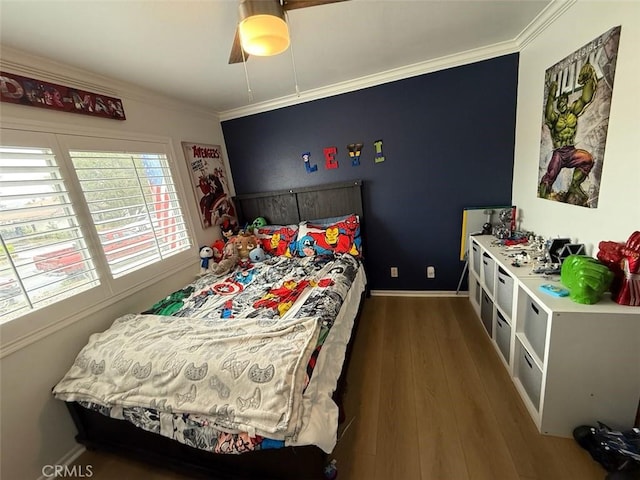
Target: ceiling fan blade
[294, 4]
[236, 50]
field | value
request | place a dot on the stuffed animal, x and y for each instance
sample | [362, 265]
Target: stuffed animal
[206, 254]
[245, 242]
[217, 247]
[257, 223]
[257, 255]
[229, 260]
[227, 229]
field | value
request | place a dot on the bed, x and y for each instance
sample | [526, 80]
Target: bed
[242, 375]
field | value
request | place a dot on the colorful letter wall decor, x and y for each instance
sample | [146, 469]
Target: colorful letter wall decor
[306, 158]
[379, 155]
[353, 149]
[330, 157]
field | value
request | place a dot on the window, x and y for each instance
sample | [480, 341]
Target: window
[134, 207]
[80, 219]
[44, 256]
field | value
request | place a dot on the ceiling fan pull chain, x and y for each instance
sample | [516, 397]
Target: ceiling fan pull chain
[293, 61]
[246, 75]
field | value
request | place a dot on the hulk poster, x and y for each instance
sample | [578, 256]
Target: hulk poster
[575, 119]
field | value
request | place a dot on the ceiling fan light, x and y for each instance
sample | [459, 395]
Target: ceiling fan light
[264, 35]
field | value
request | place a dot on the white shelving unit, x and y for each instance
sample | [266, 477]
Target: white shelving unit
[572, 364]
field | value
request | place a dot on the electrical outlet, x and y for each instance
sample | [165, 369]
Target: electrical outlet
[431, 271]
[394, 272]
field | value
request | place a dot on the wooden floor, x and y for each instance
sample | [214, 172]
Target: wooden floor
[428, 399]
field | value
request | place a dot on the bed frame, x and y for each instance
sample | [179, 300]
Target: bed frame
[97, 431]
[292, 206]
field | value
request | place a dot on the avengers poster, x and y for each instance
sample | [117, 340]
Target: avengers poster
[575, 119]
[210, 184]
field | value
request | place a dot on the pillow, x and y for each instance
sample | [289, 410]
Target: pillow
[277, 239]
[325, 222]
[329, 236]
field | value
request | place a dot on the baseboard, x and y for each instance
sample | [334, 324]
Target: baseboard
[418, 293]
[66, 459]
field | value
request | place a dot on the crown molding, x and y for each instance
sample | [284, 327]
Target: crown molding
[23, 63]
[553, 11]
[19, 62]
[373, 80]
[549, 15]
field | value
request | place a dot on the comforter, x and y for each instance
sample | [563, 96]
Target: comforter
[223, 363]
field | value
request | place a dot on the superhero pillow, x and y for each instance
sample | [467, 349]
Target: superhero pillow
[324, 238]
[277, 240]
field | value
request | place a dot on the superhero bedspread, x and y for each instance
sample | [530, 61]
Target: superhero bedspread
[230, 364]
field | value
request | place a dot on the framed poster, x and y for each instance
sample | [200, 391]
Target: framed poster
[575, 119]
[209, 180]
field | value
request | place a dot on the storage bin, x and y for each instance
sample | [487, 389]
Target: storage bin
[504, 292]
[478, 291]
[486, 313]
[530, 376]
[503, 336]
[535, 327]
[475, 257]
[488, 268]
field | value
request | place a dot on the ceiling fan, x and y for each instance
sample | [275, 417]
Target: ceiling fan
[252, 9]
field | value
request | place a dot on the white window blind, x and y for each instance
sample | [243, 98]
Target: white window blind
[134, 207]
[43, 255]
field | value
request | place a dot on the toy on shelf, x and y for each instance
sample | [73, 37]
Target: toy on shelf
[586, 278]
[487, 227]
[623, 259]
[549, 258]
[507, 223]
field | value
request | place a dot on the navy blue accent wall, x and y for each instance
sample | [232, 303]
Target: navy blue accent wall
[448, 142]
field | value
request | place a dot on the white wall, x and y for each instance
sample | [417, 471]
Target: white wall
[36, 430]
[618, 211]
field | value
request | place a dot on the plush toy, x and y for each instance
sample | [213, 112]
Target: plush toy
[227, 229]
[257, 223]
[206, 254]
[257, 255]
[245, 242]
[217, 247]
[229, 260]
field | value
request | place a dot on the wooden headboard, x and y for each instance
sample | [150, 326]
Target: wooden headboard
[285, 207]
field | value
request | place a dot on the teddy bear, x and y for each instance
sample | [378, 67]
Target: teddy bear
[229, 260]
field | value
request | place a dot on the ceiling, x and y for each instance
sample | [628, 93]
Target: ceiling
[180, 48]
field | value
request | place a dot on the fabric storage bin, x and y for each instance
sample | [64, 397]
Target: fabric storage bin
[486, 313]
[488, 268]
[475, 257]
[503, 336]
[535, 327]
[530, 375]
[504, 292]
[478, 291]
